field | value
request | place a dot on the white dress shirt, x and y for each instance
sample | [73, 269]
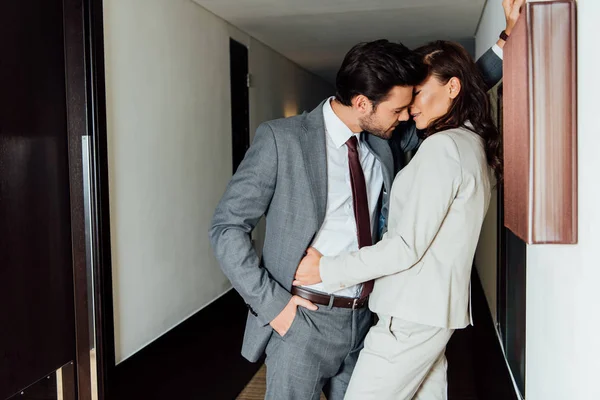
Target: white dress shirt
[499, 52]
[338, 232]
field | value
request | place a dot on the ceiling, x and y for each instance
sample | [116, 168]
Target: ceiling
[316, 34]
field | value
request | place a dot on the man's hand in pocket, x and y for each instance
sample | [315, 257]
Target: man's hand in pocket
[281, 324]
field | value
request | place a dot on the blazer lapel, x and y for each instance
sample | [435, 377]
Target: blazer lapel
[382, 151]
[312, 140]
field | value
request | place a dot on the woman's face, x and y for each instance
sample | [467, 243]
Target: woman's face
[432, 100]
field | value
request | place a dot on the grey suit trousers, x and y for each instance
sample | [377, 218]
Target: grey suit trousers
[318, 353]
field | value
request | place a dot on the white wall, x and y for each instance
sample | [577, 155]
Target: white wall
[279, 88]
[491, 24]
[169, 147]
[563, 300]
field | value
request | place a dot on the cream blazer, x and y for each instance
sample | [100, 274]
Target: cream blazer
[422, 266]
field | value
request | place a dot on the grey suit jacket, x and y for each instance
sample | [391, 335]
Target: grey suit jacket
[284, 177]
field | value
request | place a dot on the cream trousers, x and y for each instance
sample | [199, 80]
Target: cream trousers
[401, 360]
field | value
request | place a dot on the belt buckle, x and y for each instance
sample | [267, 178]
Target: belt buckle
[354, 304]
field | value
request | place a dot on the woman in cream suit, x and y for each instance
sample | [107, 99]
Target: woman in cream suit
[422, 266]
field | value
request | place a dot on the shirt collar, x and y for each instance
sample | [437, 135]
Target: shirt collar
[335, 128]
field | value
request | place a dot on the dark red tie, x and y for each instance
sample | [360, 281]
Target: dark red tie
[361, 204]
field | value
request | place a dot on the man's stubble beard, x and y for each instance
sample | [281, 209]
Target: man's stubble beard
[367, 125]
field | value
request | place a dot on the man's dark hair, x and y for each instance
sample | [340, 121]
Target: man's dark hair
[374, 68]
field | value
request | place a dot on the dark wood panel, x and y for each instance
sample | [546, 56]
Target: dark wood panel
[44, 389]
[540, 132]
[77, 119]
[36, 283]
[513, 325]
[516, 131]
[511, 285]
[100, 199]
[553, 75]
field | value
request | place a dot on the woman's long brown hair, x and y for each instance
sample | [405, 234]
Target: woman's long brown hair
[446, 60]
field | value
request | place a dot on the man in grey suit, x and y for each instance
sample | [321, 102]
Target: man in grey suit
[322, 181]
[298, 174]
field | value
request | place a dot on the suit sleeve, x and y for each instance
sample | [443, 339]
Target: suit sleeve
[435, 183]
[404, 139]
[490, 66]
[245, 201]
[410, 138]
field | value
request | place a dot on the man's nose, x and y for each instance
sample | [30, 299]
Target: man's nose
[404, 116]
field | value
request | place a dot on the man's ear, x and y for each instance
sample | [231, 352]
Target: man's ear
[454, 87]
[362, 104]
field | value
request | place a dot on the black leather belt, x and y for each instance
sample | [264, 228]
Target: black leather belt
[324, 299]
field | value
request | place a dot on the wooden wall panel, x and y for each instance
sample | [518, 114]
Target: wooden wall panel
[516, 132]
[37, 322]
[540, 124]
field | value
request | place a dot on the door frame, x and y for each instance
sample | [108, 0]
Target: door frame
[86, 116]
[239, 123]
